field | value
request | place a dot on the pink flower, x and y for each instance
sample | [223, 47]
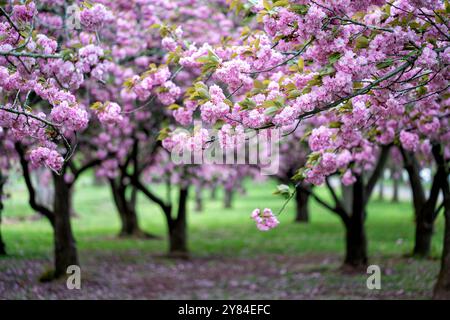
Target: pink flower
[328, 164]
[233, 73]
[348, 178]
[266, 220]
[169, 93]
[210, 112]
[24, 13]
[94, 17]
[321, 138]
[48, 157]
[343, 159]
[409, 141]
[110, 114]
[169, 44]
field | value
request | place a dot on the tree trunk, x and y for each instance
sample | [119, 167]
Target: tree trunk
[65, 247]
[422, 241]
[381, 190]
[413, 169]
[395, 188]
[356, 242]
[228, 199]
[424, 226]
[2, 244]
[198, 199]
[347, 197]
[72, 211]
[426, 216]
[442, 288]
[214, 193]
[177, 228]
[302, 212]
[127, 212]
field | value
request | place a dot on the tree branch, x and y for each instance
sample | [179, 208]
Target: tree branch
[377, 172]
[31, 191]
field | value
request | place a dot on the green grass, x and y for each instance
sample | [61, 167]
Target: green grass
[215, 231]
[310, 253]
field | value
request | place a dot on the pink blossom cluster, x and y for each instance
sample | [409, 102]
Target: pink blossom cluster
[110, 114]
[24, 12]
[234, 73]
[265, 220]
[50, 158]
[230, 137]
[215, 109]
[184, 115]
[180, 141]
[93, 18]
[73, 117]
[168, 93]
[92, 61]
[143, 86]
[409, 140]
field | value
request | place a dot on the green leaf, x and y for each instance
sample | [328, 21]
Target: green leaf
[283, 190]
[271, 111]
[301, 64]
[301, 9]
[97, 106]
[385, 64]
[267, 5]
[334, 57]
[281, 3]
[362, 42]
[174, 107]
[163, 134]
[335, 124]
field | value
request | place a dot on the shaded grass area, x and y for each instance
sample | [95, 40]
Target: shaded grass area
[291, 261]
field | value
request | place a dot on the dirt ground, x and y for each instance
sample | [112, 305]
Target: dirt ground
[131, 275]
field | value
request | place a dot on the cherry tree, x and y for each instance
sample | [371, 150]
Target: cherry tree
[293, 153]
[6, 159]
[426, 208]
[373, 73]
[143, 86]
[38, 112]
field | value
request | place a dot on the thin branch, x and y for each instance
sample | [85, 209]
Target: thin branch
[30, 55]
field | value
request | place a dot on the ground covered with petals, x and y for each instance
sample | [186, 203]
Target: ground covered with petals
[230, 259]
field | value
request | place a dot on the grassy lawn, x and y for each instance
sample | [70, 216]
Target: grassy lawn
[231, 258]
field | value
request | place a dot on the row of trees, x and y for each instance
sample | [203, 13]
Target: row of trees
[352, 79]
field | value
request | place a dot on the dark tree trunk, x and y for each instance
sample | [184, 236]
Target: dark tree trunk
[425, 218]
[214, 193]
[72, 211]
[2, 243]
[178, 228]
[442, 288]
[198, 199]
[228, 199]
[381, 190]
[423, 208]
[65, 247]
[302, 212]
[347, 197]
[413, 169]
[356, 241]
[97, 181]
[127, 212]
[422, 241]
[395, 188]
